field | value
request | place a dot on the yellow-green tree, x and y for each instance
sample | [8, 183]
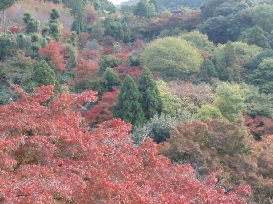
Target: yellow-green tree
[172, 57]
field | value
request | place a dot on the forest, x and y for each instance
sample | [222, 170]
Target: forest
[149, 101]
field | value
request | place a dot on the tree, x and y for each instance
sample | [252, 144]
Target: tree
[128, 107]
[144, 9]
[51, 156]
[172, 57]
[255, 36]
[151, 100]
[108, 61]
[32, 25]
[4, 4]
[262, 77]
[171, 103]
[44, 75]
[109, 80]
[230, 100]
[8, 47]
[77, 10]
[55, 54]
[216, 29]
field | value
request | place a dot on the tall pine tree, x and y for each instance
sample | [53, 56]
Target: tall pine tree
[128, 106]
[151, 100]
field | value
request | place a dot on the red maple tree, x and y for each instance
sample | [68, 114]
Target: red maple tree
[49, 156]
[55, 53]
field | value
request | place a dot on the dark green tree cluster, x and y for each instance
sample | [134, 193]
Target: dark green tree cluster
[44, 75]
[108, 61]
[138, 104]
[8, 46]
[145, 8]
[120, 31]
[32, 25]
[53, 26]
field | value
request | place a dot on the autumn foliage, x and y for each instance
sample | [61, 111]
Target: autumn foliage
[102, 111]
[49, 156]
[55, 53]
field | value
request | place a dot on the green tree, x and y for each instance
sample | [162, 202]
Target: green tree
[172, 57]
[108, 61]
[259, 103]
[54, 14]
[255, 36]
[171, 103]
[262, 77]
[8, 46]
[144, 9]
[151, 99]
[77, 10]
[128, 106]
[263, 16]
[32, 25]
[230, 100]
[44, 75]
[110, 79]
[4, 4]
[208, 111]
[199, 40]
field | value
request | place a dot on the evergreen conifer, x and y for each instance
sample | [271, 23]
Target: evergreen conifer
[151, 100]
[128, 106]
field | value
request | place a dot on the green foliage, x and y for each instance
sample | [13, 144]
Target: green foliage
[144, 9]
[8, 46]
[134, 61]
[171, 103]
[199, 40]
[128, 106]
[44, 75]
[172, 57]
[230, 100]
[159, 127]
[263, 16]
[110, 79]
[216, 29]
[117, 30]
[151, 100]
[256, 60]
[259, 103]
[262, 77]
[224, 63]
[32, 25]
[54, 14]
[108, 61]
[255, 36]
[208, 111]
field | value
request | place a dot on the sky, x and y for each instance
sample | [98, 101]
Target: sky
[116, 2]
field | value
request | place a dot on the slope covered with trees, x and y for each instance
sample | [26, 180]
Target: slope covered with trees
[138, 103]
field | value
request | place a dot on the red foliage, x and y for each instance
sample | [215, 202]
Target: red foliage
[124, 56]
[83, 37]
[65, 35]
[259, 125]
[108, 50]
[48, 156]
[123, 71]
[84, 70]
[91, 14]
[90, 55]
[14, 29]
[102, 111]
[56, 53]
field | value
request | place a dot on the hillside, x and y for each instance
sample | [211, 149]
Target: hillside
[138, 103]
